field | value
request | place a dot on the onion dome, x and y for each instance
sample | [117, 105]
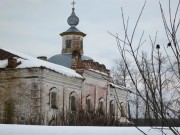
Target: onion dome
[73, 20]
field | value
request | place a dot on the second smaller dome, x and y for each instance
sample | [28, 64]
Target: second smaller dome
[73, 20]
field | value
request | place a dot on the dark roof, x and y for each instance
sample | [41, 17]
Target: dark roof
[65, 59]
[6, 55]
[73, 30]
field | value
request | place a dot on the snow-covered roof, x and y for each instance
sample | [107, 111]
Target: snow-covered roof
[99, 72]
[79, 130]
[117, 86]
[29, 62]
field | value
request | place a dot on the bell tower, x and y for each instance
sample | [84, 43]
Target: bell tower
[72, 54]
[72, 39]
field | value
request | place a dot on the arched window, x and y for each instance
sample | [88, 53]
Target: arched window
[89, 104]
[112, 108]
[122, 110]
[101, 106]
[53, 98]
[81, 44]
[68, 43]
[73, 102]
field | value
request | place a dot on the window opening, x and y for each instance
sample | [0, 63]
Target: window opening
[101, 106]
[53, 100]
[73, 103]
[89, 104]
[68, 43]
[122, 111]
[112, 108]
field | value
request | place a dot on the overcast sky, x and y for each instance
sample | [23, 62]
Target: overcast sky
[33, 26]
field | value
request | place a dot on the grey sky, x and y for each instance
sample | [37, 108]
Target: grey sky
[33, 26]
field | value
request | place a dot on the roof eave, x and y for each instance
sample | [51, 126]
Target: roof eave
[73, 33]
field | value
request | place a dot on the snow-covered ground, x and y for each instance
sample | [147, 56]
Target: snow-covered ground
[75, 130]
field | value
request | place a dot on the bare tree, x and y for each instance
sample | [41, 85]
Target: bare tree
[155, 86]
[120, 78]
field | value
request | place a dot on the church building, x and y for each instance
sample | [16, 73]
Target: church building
[57, 90]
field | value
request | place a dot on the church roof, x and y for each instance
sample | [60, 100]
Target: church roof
[117, 86]
[30, 62]
[6, 55]
[65, 59]
[73, 30]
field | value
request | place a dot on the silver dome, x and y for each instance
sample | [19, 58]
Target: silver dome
[73, 20]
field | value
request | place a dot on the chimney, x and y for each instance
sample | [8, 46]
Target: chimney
[12, 63]
[42, 58]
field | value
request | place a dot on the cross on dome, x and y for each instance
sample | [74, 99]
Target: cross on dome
[73, 3]
[73, 20]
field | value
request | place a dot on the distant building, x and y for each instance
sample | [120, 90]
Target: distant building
[41, 91]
